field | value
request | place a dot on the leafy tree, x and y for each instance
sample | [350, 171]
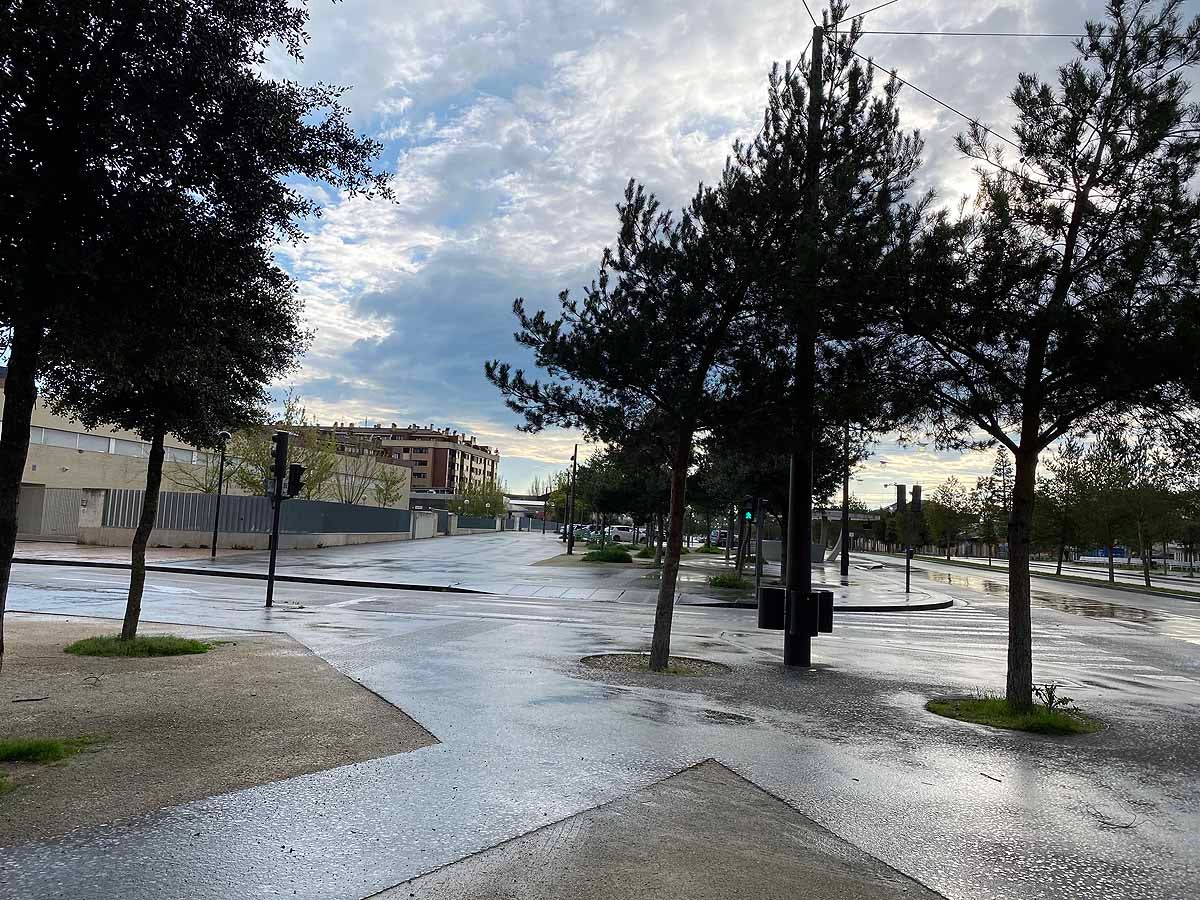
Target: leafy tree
[646, 344]
[390, 482]
[480, 500]
[355, 476]
[215, 323]
[1059, 498]
[103, 106]
[203, 476]
[947, 511]
[987, 512]
[1105, 479]
[1072, 288]
[309, 446]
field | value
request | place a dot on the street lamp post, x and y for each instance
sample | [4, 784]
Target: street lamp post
[571, 502]
[224, 438]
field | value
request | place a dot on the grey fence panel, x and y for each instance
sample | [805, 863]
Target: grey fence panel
[60, 513]
[320, 516]
[477, 522]
[182, 511]
[443, 525]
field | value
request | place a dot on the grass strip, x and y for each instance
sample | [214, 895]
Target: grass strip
[40, 750]
[142, 646]
[996, 712]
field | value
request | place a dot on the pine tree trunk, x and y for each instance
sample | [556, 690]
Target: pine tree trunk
[947, 546]
[660, 644]
[658, 540]
[1145, 557]
[1112, 577]
[20, 393]
[1062, 550]
[1019, 689]
[141, 537]
[743, 545]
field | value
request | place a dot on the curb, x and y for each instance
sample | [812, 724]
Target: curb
[253, 576]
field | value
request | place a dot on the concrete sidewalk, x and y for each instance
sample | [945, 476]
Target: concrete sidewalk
[703, 834]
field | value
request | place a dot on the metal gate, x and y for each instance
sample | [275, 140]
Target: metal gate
[48, 512]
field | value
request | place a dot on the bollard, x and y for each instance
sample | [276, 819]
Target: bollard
[772, 610]
[825, 612]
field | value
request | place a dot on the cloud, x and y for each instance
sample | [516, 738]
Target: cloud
[512, 128]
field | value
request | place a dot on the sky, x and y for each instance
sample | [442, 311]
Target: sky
[512, 129]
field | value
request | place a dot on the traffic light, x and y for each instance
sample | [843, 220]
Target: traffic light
[749, 515]
[279, 455]
[295, 475]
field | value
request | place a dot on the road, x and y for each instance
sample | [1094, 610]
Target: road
[1176, 581]
[527, 739]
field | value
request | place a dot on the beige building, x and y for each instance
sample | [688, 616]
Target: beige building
[65, 459]
[440, 459]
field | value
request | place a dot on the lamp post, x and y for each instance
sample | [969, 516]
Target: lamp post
[224, 439]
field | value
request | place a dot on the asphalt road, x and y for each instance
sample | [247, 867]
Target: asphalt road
[529, 739]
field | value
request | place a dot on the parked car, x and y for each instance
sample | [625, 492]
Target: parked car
[621, 533]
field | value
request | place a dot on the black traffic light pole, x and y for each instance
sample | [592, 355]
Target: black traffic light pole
[280, 440]
[295, 483]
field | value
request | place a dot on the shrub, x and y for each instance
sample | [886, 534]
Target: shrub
[609, 553]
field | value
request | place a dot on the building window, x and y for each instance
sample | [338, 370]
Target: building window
[56, 438]
[127, 448]
[94, 442]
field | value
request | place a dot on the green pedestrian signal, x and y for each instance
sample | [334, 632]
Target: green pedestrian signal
[749, 516]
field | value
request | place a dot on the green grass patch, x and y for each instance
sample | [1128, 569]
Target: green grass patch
[40, 750]
[708, 548]
[609, 554]
[645, 553]
[996, 712]
[149, 645]
[729, 580]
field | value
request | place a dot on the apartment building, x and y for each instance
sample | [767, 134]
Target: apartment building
[441, 459]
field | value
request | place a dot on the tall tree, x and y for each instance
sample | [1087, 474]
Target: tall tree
[647, 343]
[831, 170]
[948, 511]
[1073, 286]
[1060, 497]
[102, 103]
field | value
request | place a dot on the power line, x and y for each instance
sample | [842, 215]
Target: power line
[809, 11]
[873, 8]
[1027, 34]
[923, 93]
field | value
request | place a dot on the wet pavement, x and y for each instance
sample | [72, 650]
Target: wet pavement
[529, 737]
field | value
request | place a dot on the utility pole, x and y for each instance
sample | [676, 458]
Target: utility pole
[571, 502]
[845, 567]
[797, 642]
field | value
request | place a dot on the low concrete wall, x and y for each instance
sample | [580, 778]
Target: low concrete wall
[424, 523]
[123, 537]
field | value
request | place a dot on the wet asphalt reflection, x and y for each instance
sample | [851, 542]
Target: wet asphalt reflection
[529, 736]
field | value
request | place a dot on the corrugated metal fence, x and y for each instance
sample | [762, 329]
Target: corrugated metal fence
[180, 511]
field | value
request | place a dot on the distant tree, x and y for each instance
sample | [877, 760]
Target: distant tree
[1072, 289]
[947, 511]
[480, 500]
[1105, 477]
[1060, 498]
[355, 477]
[104, 105]
[390, 482]
[309, 446]
[202, 475]
[987, 512]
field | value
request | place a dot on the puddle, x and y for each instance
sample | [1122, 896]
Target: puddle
[1096, 609]
[717, 715]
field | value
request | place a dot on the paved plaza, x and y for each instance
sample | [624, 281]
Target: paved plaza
[529, 738]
